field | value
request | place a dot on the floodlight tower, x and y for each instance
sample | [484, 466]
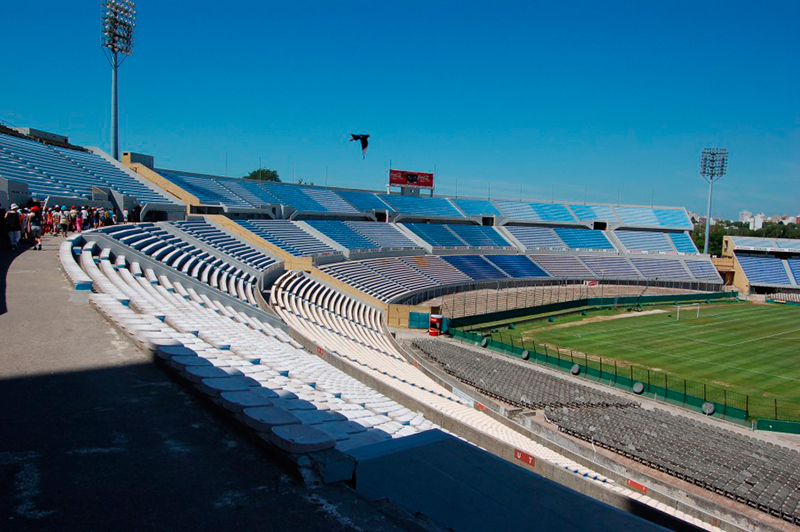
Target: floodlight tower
[713, 163]
[117, 22]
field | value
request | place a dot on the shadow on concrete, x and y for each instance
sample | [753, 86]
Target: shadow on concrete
[125, 448]
[7, 256]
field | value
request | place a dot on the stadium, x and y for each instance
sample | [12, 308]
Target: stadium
[475, 363]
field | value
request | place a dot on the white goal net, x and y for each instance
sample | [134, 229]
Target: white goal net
[683, 312]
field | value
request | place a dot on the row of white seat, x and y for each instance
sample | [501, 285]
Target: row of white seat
[152, 240]
[349, 329]
[246, 365]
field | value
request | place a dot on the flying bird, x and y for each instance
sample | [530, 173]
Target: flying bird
[364, 142]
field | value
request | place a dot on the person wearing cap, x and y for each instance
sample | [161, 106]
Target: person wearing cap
[13, 226]
[36, 227]
[63, 221]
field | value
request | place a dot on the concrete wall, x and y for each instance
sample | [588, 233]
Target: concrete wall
[461, 487]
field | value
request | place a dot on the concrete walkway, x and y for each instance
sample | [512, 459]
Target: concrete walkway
[93, 436]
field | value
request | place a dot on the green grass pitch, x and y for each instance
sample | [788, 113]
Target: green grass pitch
[747, 348]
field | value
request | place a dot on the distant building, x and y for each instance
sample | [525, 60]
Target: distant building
[757, 221]
[744, 216]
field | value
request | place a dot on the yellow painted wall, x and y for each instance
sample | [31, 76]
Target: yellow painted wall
[291, 262]
[398, 315]
[166, 184]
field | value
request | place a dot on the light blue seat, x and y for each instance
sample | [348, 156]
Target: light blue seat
[763, 269]
[516, 265]
[582, 238]
[650, 241]
[475, 266]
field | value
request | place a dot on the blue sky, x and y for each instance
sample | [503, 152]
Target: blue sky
[559, 99]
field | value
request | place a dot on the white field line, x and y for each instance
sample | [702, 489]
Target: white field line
[673, 323]
[616, 342]
[763, 337]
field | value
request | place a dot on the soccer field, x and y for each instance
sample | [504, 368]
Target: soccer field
[750, 349]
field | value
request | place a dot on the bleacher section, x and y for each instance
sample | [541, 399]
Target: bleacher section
[763, 269]
[703, 270]
[364, 236]
[424, 207]
[208, 191]
[390, 277]
[58, 171]
[534, 212]
[661, 269]
[610, 267]
[152, 240]
[648, 241]
[534, 237]
[794, 266]
[243, 361]
[441, 272]
[289, 237]
[383, 235]
[476, 207]
[479, 236]
[590, 213]
[364, 201]
[343, 234]
[683, 243]
[459, 236]
[218, 239]
[584, 239]
[475, 266]
[517, 266]
[653, 217]
[438, 235]
[745, 469]
[566, 266]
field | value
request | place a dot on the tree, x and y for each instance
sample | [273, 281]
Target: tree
[264, 174]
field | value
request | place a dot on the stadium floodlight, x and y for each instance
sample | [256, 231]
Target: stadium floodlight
[713, 164]
[117, 22]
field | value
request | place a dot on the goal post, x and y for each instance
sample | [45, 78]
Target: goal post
[688, 311]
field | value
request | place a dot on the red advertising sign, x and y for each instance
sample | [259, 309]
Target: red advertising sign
[635, 485]
[401, 178]
[524, 457]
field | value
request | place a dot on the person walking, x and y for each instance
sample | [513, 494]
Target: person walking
[3, 233]
[36, 227]
[63, 221]
[13, 226]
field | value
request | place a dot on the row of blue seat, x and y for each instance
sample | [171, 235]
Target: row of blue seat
[390, 277]
[218, 239]
[50, 171]
[243, 194]
[767, 269]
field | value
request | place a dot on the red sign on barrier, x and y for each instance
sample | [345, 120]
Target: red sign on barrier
[522, 456]
[401, 178]
[480, 406]
[320, 350]
[635, 485]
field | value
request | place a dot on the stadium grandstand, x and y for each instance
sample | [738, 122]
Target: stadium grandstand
[43, 167]
[276, 301]
[765, 266]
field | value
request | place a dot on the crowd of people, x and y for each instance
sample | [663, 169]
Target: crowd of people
[29, 224]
